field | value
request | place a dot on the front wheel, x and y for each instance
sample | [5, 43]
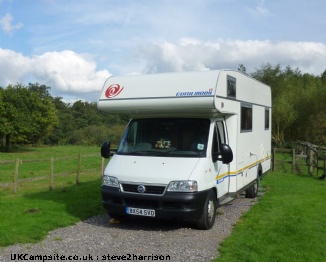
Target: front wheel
[207, 218]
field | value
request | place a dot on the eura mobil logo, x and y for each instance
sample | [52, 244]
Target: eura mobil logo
[113, 90]
[196, 93]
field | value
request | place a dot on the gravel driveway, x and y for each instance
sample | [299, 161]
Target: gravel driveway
[136, 239]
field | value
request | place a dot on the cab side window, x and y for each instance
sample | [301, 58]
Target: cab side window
[221, 133]
[218, 137]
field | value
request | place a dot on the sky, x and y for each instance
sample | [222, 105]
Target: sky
[73, 46]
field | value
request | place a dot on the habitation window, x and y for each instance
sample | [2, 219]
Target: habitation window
[266, 118]
[231, 87]
[246, 117]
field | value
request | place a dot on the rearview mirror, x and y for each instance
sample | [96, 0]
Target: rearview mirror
[227, 154]
[105, 149]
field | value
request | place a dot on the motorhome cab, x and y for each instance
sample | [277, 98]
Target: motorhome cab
[194, 142]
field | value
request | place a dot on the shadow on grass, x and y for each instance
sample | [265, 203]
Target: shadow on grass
[81, 201]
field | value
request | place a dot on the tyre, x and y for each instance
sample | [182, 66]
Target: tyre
[252, 191]
[207, 219]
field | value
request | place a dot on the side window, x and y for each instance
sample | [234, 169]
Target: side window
[220, 129]
[219, 137]
[231, 87]
[246, 117]
[215, 146]
[266, 118]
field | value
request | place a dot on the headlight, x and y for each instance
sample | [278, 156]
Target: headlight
[110, 181]
[183, 186]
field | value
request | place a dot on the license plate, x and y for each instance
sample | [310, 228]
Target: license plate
[140, 212]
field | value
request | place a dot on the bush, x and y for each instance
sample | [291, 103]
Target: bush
[96, 135]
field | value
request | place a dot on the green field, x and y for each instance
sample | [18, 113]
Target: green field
[288, 224]
[35, 161]
[34, 210]
[29, 216]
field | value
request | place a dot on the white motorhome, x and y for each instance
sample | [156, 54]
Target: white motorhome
[195, 141]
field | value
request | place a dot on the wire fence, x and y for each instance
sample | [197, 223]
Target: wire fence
[305, 155]
[18, 171]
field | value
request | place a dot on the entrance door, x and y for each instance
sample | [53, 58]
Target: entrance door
[221, 170]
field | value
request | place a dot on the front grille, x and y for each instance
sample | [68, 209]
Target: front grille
[132, 188]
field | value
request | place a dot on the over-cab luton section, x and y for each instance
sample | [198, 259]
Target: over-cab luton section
[195, 141]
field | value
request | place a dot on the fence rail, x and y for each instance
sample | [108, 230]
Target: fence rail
[314, 157]
[50, 174]
[305, 154]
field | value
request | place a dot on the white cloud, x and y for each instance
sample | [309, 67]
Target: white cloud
[75, 76]
[7, 26]
[193, 54]
[13, 67]
[66, 72]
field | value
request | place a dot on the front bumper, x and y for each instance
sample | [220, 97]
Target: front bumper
[171, 205]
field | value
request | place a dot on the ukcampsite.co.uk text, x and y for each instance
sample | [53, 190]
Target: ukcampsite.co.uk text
[107, 257]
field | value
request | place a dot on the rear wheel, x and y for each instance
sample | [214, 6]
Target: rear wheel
[252, 191]
[207, 218]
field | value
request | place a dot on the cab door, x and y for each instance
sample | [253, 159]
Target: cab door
[220, 170]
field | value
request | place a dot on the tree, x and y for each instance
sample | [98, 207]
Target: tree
[29, 114]
[242, 69]
[2, 116]
[298, 103]
[66, 123]
[283, 115]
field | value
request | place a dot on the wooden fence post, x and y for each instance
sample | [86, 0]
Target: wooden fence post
[78, 169]
[273, 159]
[102, 170]
[310, 161]
[293, 160]
[16, 175]
[51, 172]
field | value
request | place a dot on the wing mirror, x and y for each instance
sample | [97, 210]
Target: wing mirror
[105, 149]
[225, 155]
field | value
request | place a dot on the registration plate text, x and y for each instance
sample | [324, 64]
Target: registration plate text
[140, 212]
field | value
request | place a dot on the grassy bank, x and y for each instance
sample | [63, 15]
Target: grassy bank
[35, 161]
[28, 217]
[30, 214]
[288, 224]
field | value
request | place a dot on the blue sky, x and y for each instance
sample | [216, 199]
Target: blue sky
[74, 45]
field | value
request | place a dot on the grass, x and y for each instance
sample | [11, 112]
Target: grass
[34, 210]
[28, 217]
[288, 224]
[47, 152]
[43, 155]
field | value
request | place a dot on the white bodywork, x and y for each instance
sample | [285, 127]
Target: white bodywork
[195, 95]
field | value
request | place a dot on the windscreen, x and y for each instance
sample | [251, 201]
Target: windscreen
[166, 137]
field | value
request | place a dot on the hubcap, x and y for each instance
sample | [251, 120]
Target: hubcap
[256, 187]
[210, 209]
